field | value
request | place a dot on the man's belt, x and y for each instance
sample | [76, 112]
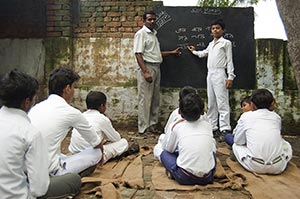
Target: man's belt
[153, 63]
[261, 161]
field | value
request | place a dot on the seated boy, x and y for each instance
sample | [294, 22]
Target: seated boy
[54, 117]
[115, 146]
[23, 154]
[189, 154]
[258, 145]
[245, 106]
[174, 116]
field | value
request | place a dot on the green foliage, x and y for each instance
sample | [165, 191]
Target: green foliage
[225, 3]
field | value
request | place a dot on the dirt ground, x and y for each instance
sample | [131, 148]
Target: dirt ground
[148, 162]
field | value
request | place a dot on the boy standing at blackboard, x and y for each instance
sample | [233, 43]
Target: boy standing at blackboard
[219, 53]
[149, 57]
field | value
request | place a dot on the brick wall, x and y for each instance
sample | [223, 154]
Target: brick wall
[94, 18]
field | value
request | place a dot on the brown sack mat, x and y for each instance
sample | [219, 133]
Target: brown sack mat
[285, 185]
[162, 182]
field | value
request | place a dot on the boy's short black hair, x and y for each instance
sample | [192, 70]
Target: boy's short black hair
[16, 86]
[246, 99]
[186, 90]
[94, 99]
[262, 98]
[218, 22]
[60, 78]
[191, 107]
[148, 13]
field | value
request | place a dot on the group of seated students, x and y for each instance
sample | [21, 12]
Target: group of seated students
[32, 164]
[188, 150]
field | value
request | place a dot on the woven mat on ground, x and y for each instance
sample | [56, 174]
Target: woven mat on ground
[106, 179]
[285, 185]
[223, 180]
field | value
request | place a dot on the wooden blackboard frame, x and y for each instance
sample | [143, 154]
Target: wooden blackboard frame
[182, 26]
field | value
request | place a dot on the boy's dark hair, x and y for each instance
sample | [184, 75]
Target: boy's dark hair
[16, 86]
[262, 98]
[94, 99]
[148, 13]
[218, 22]
[191, 107]
[60, 78]
[186, 90]
[246, 99]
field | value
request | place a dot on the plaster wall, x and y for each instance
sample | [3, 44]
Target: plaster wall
[108, 65]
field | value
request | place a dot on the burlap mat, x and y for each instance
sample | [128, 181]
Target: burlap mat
[106, 180]
[285, 185]
[222, 180]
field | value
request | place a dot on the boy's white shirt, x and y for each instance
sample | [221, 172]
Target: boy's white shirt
[23, 157]
[195, 144]
[102, 126]
[220, 56]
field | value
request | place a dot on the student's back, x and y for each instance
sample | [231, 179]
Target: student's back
[263, 133]
[195, 146]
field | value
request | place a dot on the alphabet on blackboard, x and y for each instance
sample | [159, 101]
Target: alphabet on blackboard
[182, 38]
[199, 36]
[201, 44]
[183, 46]
[206, 11]
[211, 11]
[228, 36]
[179, 30]
[162, 18]
[197, 29]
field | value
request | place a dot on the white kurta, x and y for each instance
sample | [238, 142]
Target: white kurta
[22, 149]
[195, 144]
[54, 117]
[106, 132]
[258, 135]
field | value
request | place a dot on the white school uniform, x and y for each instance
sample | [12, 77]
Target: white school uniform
[106, 132]
[219, 58]
[195, 144]
[258, 142]
[23, 157]
[54, 117]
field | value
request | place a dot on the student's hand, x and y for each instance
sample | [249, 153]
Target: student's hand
[229, 83]
[148, 77]
[101, 162]
[100, 146]
[191, 48]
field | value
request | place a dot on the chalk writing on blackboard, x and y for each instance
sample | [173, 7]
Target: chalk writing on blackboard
[207, 11]
[198, 36]
[228, 36]
[182, 38]
[179, 30]
[162, 18]
[197, 29]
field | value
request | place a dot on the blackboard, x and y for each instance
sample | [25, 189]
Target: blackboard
[182, 26]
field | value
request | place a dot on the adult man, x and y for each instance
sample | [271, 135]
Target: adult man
[23, 154]
[219, 52]
[148, 56]
[54, 117]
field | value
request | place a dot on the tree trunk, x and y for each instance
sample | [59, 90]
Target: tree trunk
[289, 12]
